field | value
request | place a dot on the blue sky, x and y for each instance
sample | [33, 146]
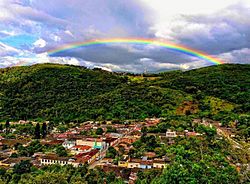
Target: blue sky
[29, 28]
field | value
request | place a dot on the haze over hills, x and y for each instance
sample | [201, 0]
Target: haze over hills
[73, 93]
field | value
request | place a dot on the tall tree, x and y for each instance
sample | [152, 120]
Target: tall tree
[44, 130]
[37, 131]
[99, 131]
[7, 126]
[22, 167]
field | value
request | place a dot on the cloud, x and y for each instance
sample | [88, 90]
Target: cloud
[237, 56]
[223, 31]
[29, 28]
[40, 43]
[6, 50]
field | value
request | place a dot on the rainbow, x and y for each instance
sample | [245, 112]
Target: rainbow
[164, 44]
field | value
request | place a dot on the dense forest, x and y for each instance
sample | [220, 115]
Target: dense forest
[72, 93]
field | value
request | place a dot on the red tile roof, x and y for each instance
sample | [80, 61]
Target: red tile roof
[81, 147]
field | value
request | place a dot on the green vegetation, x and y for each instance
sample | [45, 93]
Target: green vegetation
[70, 93]
[197, 160]
[25, 173]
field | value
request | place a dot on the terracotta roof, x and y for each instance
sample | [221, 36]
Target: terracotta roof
[53, 142]
[15, 160]
[93, 152]
[54, 157]
[81, 147]
[191, 133]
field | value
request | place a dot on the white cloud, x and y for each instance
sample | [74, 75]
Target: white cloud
[236, 56]
[40, 43]
[8, 33]
[69, 33]
[7, 50]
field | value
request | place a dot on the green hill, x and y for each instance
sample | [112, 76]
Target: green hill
[73, 93]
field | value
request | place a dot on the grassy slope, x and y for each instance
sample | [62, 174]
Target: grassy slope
[64, 92]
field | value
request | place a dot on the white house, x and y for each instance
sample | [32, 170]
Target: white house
[68, 144]
[171, 134]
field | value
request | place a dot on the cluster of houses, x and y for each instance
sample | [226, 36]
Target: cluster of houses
[76, 161]
[144, 163]
[88, 149]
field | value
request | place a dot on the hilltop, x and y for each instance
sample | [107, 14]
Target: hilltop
[73, 93]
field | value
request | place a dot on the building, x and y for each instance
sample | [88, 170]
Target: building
[11, 162]
[88, 157]
[53, 159]
[143, 163]
[123, 164]
[134, 164]
[80, 149]
[146, 164]
[67, 144]
[92, 142]
[160, 164]
[171, 134]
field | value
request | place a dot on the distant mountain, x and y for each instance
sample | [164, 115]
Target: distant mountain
[73, 93]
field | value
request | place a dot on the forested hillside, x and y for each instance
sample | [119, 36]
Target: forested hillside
[72, 93]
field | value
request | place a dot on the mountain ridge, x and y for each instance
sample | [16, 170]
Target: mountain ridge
[74, 93]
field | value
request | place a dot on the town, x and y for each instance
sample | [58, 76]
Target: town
[110, 145]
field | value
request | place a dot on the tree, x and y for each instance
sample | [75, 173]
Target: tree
[144, 130]
[111, 129]
[37, 131]
[99, 131]
[13, 155]
[209, 131]
[61, 151]
[1, 126]
[22, 167]
[2, 171]
[151, 143]
[111, 153]
[7, 126]
[44, 130]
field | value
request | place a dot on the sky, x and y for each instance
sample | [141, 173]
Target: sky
[29, 29]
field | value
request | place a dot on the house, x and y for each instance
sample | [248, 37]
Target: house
[146, 164]
[123, 164]
[95, 143]
[170, 134]
[67, 144]
[11, 162]
[132, 177]
[110, 141]
[54, 159]
[150, 154]
[52, 142]
[94, 154]
[114, 135]
[88, 157]
[191, 134]
[134, 163]
[80, 149]
[160, 164]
